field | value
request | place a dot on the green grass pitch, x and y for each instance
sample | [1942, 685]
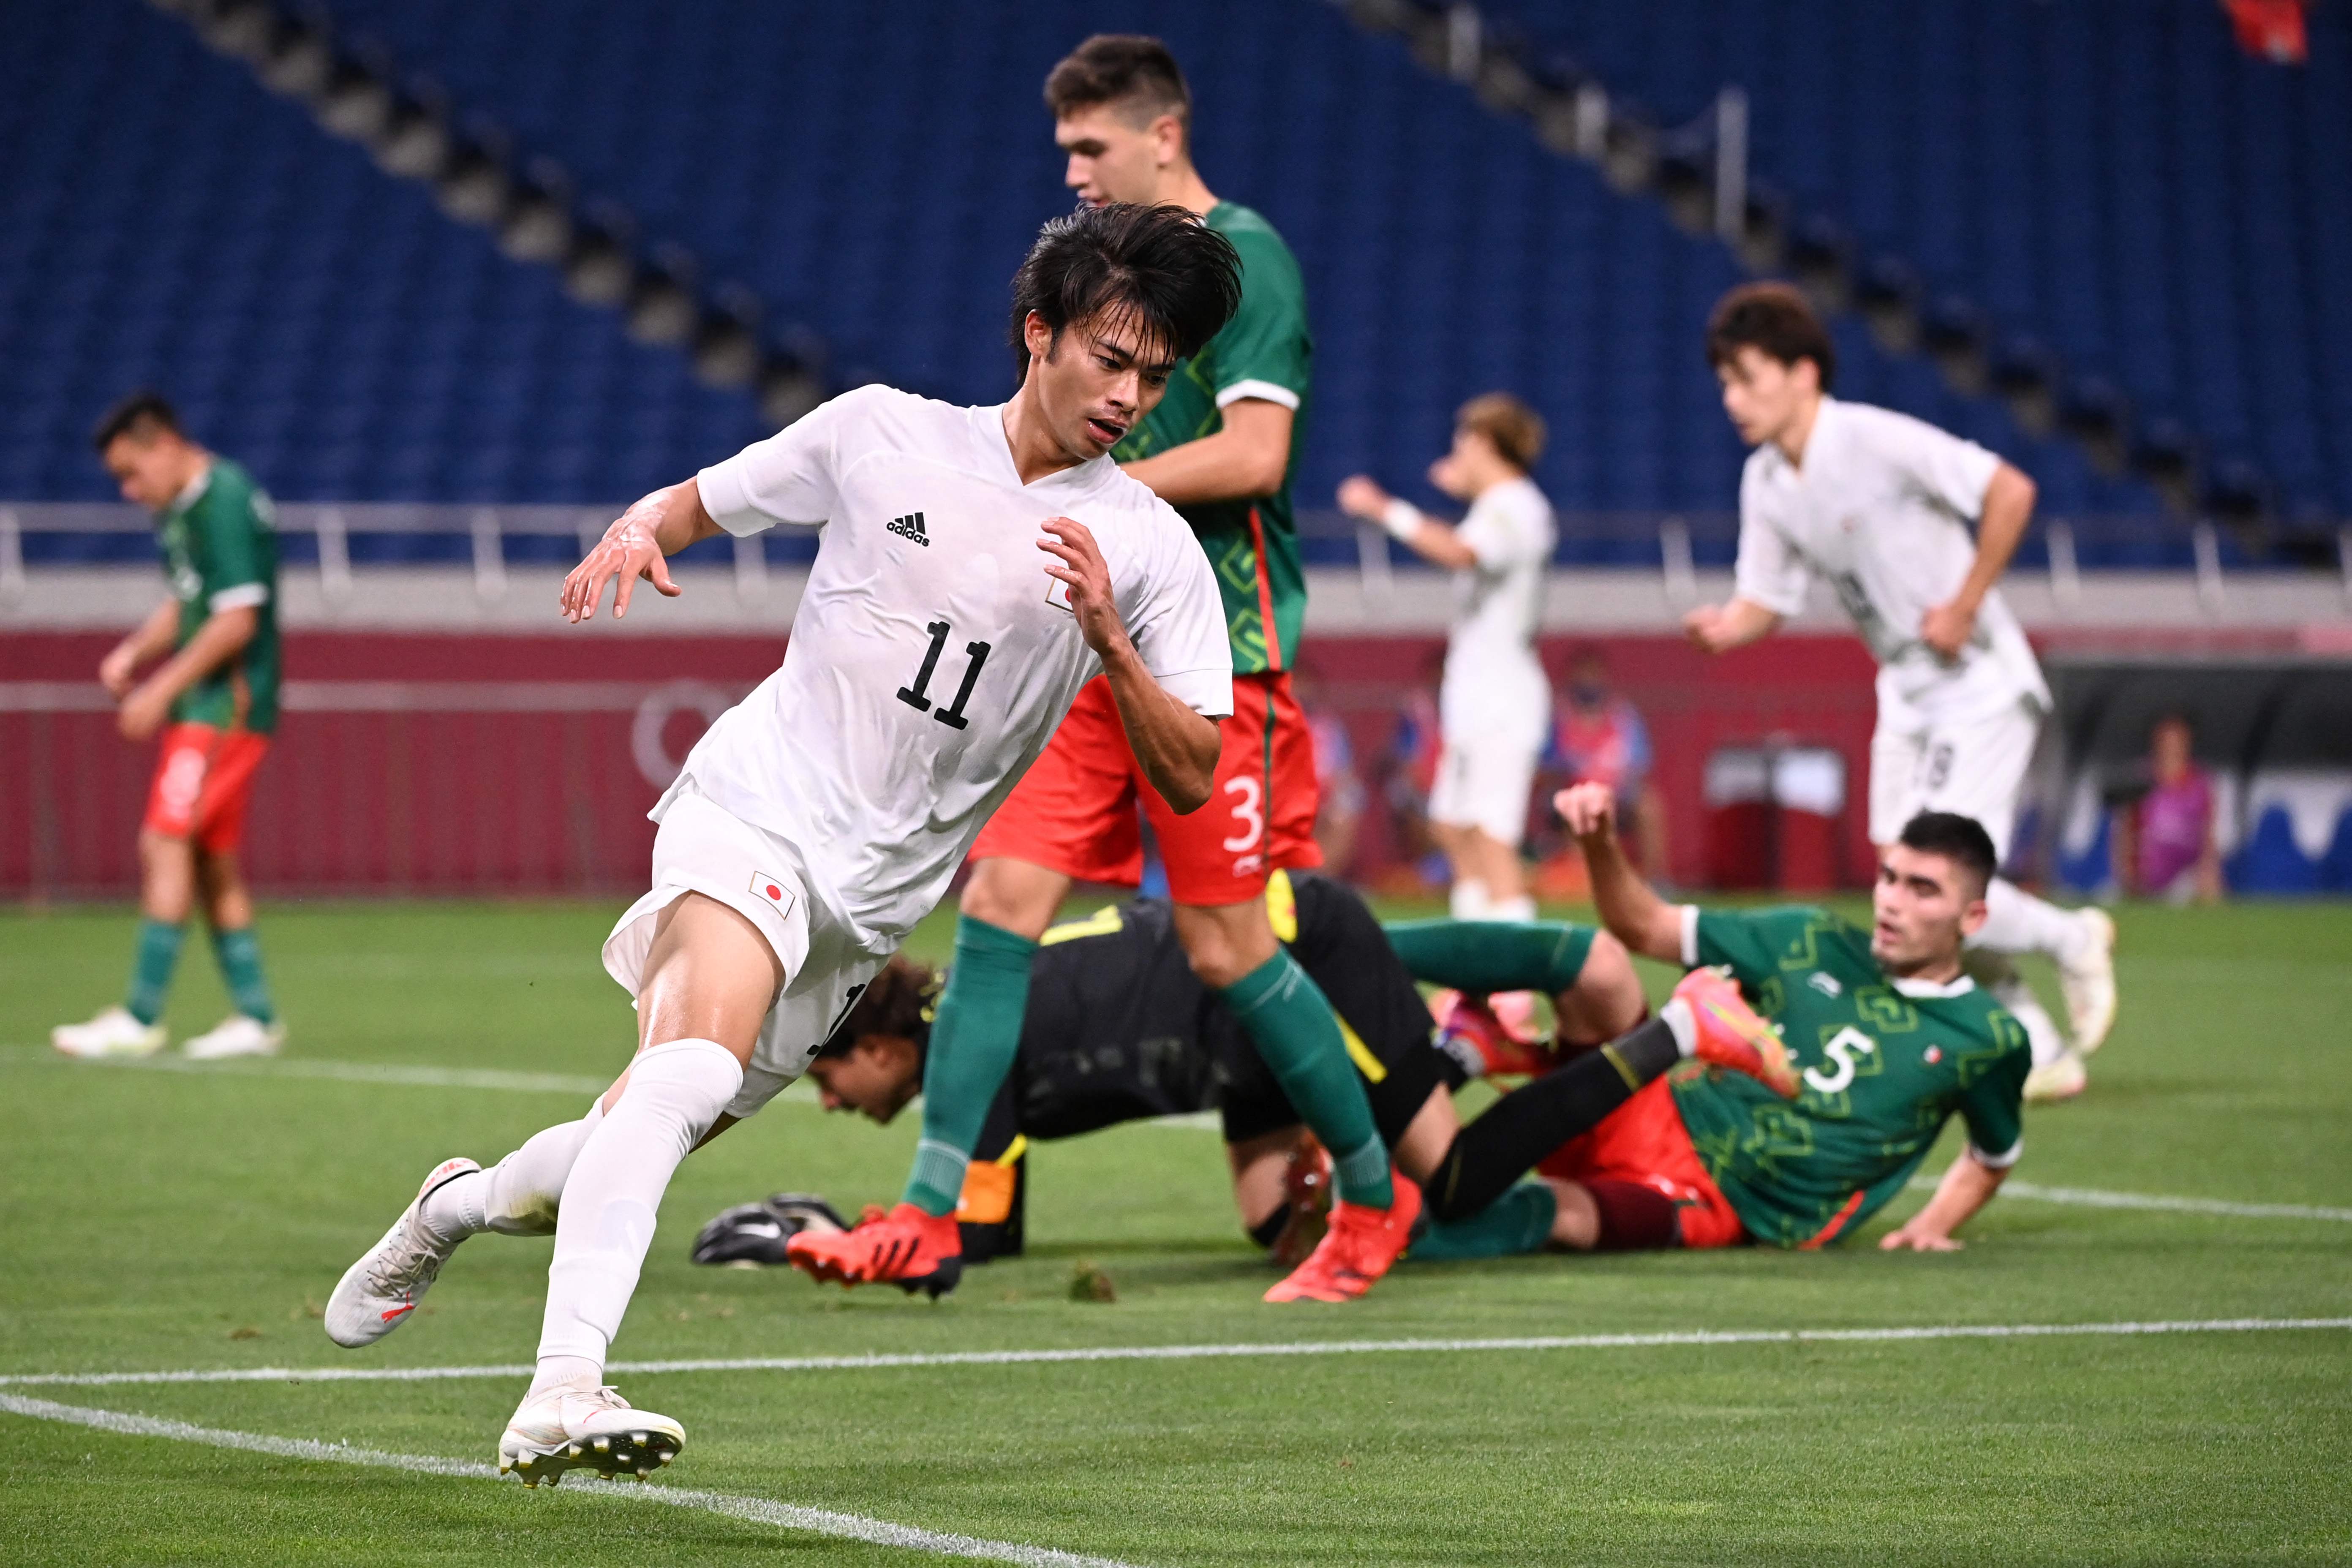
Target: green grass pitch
[154, 1219]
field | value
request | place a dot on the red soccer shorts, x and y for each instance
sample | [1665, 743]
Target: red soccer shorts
[1643, 1140]
[1075, 810]
[203, 780]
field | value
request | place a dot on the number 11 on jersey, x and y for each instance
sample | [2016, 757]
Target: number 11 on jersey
[915, 696]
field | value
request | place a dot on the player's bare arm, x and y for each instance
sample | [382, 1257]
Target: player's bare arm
[1176, 747]
[1720, 629]
[2008, 508]
[639, 544]
[1246, 457]
[1967, 1187]
[118, 670]
[1435, 542]
[1628, 906]
[221, 637]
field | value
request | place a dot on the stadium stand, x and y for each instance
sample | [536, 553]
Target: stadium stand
[2054, 171]
[826, 164]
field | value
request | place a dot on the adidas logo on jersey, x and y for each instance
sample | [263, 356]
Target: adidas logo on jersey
[911, 527]
[1825, 983]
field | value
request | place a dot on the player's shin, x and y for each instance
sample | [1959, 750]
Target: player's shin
[1291, 1023]
[1482, 957]
[675, 1092]
[973, 1039]
[157, 955]
[1518, 1221]
[1529, 1123]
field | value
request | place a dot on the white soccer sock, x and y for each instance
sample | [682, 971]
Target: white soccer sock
[1996, 974]
[1522, 908]
[2017, 921]
[516, 1196]
[676, 1090]
[1467, 900]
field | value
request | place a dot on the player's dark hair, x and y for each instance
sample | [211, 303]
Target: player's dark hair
[899, 1001]
[1159, 266]
[1774, 319]
[1514, 430]
[1962, 840]
[142, 414]
[1131, 72]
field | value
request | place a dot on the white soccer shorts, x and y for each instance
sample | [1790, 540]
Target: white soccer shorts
[1483, 782]
[703, 850]
[1974, 766]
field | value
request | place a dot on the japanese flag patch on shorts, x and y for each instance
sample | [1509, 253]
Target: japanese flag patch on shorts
[772, 890]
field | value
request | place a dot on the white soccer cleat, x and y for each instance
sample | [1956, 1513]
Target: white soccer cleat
[2055, 1080]
[113, 1033]
[236, 1035]
[565, 1429]
[377, 1294]
[2088, 981]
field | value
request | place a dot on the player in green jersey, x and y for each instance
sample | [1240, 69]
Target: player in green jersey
[1220, 447]
[1891, 1037]
[213, 698]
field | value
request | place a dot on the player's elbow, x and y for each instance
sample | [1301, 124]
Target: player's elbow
[1186, 788]
[2013, 489]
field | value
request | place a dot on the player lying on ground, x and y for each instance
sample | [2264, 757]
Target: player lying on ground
[1118, 1028]
[932, 654]
[1494, 705]
[1893, 1039]
[214, 698]
[1877, 504]
[1220, 447]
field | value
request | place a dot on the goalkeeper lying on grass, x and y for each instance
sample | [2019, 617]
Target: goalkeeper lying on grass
[1118, 1029]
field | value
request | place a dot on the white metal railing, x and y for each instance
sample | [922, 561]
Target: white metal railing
[1676, 538]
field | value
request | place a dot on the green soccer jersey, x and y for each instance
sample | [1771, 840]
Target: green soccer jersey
[1264, 352]
[220, 553]
[1883, 1062]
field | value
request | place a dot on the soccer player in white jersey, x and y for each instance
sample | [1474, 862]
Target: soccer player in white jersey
[1877, 504]
[1494, 703]
[933, 655]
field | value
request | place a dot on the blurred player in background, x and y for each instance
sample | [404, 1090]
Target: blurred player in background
[215, 699]
[1495, 701]
[1877, 504]
[824, 816]
[1220, 447]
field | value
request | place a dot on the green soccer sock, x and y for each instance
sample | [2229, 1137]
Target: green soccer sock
[973, 1038]
[1518, 1221]
[1291, 1023]
[151, 971]
[1485, 956]
[239, 953]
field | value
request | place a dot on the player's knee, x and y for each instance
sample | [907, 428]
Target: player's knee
[1608, 992]
[1014, 896]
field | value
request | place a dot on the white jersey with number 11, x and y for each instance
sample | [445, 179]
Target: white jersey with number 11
[931, 657]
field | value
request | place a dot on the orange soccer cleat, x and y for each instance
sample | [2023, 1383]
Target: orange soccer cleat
[1477, 1022]
[906, 1247]
[1732, 1034]
[1357, 1250]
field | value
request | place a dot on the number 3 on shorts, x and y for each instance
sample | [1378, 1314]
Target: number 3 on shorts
[1249, 817]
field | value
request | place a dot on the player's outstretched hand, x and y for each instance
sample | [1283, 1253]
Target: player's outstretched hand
[1359, 497]
[1704, 626]
[1079, 566]
[628, 551]
[1589, 809]
[1912, 1238]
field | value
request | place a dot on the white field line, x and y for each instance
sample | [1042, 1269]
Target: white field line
[2096, 1198]
[1203, 1352]
[387, 1073]
[822, 1522]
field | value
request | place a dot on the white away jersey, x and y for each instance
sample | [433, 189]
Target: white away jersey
[1880, 510]
[1492, 674]
[931, 657]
